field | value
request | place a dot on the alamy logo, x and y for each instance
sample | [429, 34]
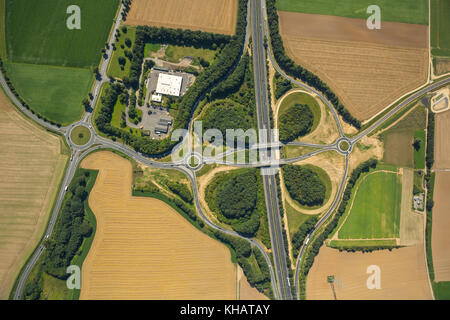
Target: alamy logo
[74, 280]
[74, 20]
[374, 280]
[374, 21]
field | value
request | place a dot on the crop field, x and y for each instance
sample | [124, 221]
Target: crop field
[403, 275]
[217, 16]
[31, 166]
[398, 138]
[54, 92]
[440, 37]
[375, 209]
[441, 224]
[34, 39]
[442, 147]
[367, 70]
[408, 11]
[143, 249]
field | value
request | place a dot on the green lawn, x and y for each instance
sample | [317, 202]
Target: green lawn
[301, 98]
[408, 11]
[362, 243]
[441, 290]
[419, 155]
[80, 135]
[53, 92]
[440, 26]
[176, 53]
[376, 207]
[114, 69]
[37, 32]
[116, 118]
[295, 218]
[151, 47]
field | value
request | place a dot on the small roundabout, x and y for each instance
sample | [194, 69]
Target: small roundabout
[80, 135]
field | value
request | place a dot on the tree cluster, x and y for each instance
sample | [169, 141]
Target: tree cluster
[300, 235]
[295, 122]
[294, 70]
[282, 85]
[71, 228]
[430, 140]
[181, 190]
[304, 185]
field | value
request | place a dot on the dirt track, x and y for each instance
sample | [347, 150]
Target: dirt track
[368, 71]
[218, 16]
[143, 249]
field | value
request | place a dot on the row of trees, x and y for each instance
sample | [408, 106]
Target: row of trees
[181, 190]
[304, 185]
[430, 140]
[71, 228]
[281, 85]
[294, 70]
[295, 122]
[300, 235]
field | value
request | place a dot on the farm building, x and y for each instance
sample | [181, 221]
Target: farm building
[169, 84]
[161, 128]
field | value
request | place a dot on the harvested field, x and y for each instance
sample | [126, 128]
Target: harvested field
[441, 224]
[218, 16]
[442, 145]
[442, 65]
[31, 166]
[403, 275]
[143, 249]
[367, 69]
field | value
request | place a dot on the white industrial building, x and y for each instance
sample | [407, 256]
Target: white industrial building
[156, 97]
[169, 84]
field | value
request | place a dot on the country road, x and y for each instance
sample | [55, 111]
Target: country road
[257, 26]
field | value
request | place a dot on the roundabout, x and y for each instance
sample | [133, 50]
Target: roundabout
[80, 135]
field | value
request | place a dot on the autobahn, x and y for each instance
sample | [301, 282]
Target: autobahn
[282, 287]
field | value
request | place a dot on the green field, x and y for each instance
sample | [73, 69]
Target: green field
[295, 218]
[36, 31]
[151, 47]
[408, 11]
[2, 30]
[376, 207]
[362, 243]
[419, 155]
[53, 92]
[114, 69]
[440, 26]
[301, 98]
[176, 53]
[80, 135]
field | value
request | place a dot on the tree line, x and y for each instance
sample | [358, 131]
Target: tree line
[297, 71]
[300, 235]
[282, 85]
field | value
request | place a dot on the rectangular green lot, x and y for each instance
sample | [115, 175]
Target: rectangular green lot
[407, 11]
[114, 69]
[54, 92]
[36, 31]
[419, 155]
[440, 27]
[376, 207]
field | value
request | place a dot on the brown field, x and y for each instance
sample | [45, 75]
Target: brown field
[367, 69]
[398, 148]
[143, 249]
[218, 16]
[403, 275]
[31, 165]
[441, 225]
[442, 145]
[442, 65]
[246, 291]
